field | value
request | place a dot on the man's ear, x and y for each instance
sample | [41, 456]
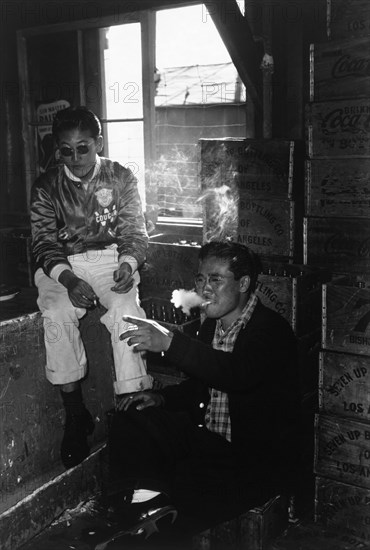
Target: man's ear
[99, 144]
[244, 283]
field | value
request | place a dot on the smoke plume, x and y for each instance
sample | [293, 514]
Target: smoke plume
[187, 300]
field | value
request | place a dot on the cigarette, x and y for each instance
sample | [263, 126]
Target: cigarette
[204, 304]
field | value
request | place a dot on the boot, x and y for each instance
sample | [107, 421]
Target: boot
[78, 425]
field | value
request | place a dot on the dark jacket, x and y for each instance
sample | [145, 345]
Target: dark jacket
[260, 377]
[65, 220]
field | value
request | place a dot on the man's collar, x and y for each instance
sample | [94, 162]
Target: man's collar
[76, 179]
[245, 315]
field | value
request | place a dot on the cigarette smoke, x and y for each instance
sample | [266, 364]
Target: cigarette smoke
[186, 299]
[221, 212]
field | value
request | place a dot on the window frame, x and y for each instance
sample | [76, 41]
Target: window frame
[146, 18]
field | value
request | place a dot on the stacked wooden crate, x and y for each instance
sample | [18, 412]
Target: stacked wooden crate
[337, 226]
[337, 235]
[249, 196]
[342, 456]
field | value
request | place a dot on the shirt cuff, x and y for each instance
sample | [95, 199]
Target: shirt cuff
[129, 260]
[58, 270]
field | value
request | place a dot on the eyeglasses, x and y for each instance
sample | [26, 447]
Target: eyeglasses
[68, 151]
[214, 281]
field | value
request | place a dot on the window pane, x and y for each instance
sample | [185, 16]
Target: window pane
[126, 146]
[198, 95]
[122, 65]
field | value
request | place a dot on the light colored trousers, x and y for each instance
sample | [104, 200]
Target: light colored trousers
[65, 353]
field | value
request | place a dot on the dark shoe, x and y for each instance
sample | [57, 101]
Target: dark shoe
[145, 526]
[74, 448]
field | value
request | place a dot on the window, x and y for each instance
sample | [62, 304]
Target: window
[198, 95]
[159, 81]
[123, 113]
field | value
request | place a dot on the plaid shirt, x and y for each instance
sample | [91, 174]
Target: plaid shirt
[217, 416]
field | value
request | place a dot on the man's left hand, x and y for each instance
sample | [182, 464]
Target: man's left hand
[148, 336]
[123, 279]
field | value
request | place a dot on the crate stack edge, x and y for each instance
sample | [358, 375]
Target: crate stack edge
[337, 236]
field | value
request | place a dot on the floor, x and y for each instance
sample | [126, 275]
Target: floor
[87, 528]
[84, 529]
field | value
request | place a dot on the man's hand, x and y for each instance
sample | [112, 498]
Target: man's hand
[141, 399]
[80, 292]
[148, 336]
[123, 279]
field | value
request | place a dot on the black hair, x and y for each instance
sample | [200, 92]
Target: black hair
[241, 260]
[74, 118]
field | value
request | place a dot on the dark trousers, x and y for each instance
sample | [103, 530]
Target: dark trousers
[198, 469]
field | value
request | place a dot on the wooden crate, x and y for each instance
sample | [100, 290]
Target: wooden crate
[267, 227]
[337, 188]
[338, 128]
[247, 187]
[294, 291]
[340, 69]
[257, 168]
[348, 18]
[254, 529]
[342, 450]
[343, 506]
[340, 244]
[168, 267]
[346, 317]
[314, 536]
[344, 384]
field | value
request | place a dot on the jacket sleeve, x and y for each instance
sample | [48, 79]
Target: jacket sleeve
[47, 251]
[132, 237]
[257, 350]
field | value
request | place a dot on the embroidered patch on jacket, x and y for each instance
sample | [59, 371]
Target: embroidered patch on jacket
[104, 196]
[107, 215]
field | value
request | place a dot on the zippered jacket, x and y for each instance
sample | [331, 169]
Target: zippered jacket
[66, 220]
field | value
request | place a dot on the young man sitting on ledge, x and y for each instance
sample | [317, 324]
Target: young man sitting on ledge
[88, 239]
[225, 439]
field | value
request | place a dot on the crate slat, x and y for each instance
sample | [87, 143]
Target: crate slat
[256, 167]
[346, 318]
[342, 450]
[294, 291]
[340, 69]
[338, 128]
[344, 383]
[267, 227]
[348, 18]
[340, 244]
[338, 188]
[343, 506]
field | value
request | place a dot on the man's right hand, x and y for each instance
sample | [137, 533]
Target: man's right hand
[80, 292]
[141, 400]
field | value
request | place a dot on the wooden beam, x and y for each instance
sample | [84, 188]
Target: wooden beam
[237, 36]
